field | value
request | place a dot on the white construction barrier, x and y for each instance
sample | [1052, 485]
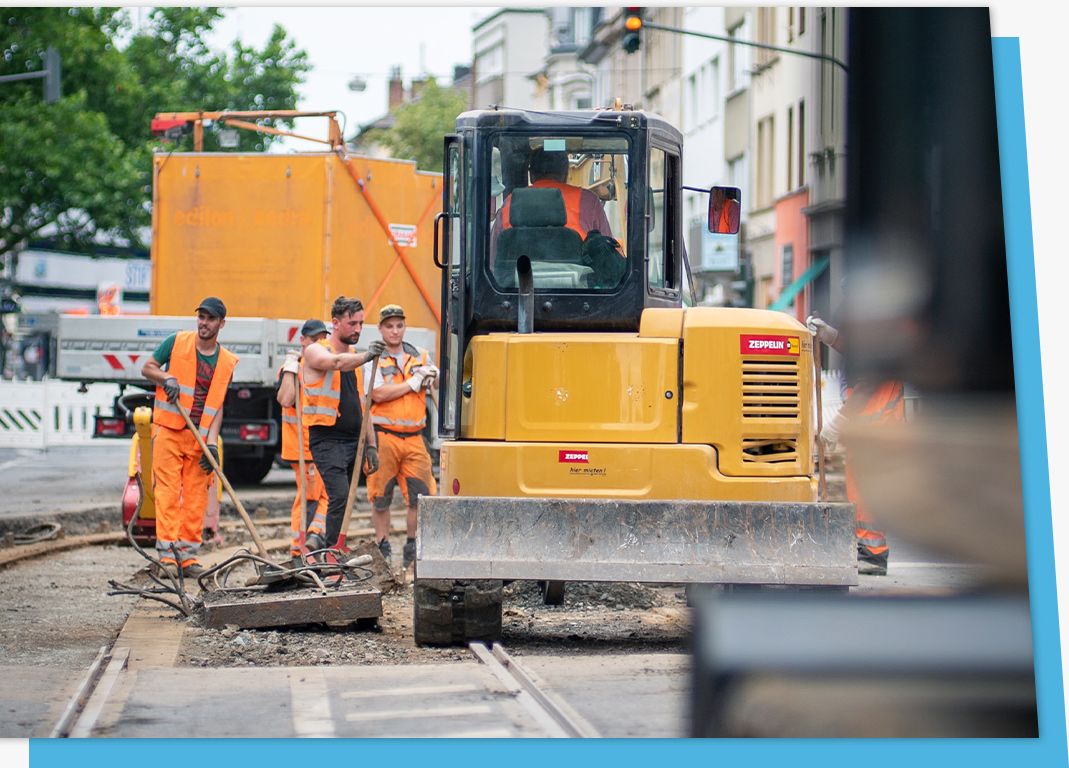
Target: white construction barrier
[42, 414]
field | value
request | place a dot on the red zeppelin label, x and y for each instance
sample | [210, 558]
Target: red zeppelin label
[768, 345]
[573, 457]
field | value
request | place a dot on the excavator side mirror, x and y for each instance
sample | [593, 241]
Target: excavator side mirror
[725, 207]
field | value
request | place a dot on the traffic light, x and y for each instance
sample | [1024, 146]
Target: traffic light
[632, 38]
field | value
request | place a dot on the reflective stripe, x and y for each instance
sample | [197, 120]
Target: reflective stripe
[399, 422]
[210, 411]
[203, 432]
[333, 394]
[163, 405]
[289, 419]
[313, 410]
[389, 370]
[185, 390]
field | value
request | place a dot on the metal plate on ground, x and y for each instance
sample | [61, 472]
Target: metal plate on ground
[646, 541]
[251, 609]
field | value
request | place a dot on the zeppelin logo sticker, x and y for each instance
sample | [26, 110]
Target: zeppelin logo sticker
[573, 457]
[768, 345]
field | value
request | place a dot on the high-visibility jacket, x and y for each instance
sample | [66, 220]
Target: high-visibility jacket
[289, 427]
[183, 366]
[407, 413]
[572, 203]
[322, 395]
[885, 404]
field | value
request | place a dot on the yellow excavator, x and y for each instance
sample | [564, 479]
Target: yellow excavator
[594, 428]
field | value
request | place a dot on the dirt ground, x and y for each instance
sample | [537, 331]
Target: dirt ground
[595, 618]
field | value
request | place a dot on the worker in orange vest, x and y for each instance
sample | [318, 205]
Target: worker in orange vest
[399, 413]
[723, 212]
[878, 404]
[315, 493]
[333, 411]
[191, 369]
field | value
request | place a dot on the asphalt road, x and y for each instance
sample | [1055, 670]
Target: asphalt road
[68, 479]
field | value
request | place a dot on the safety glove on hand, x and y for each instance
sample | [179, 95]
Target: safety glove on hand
[171, 389]
[375, 348]
[832, 427]
[292, 362]
[371, 460]
[826, 334]
[416, 382]
[204, 463]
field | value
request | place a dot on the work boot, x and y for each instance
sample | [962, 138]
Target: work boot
[315, 542]
[408, 554]
[871, 563]
[193, 570]
[386, 550]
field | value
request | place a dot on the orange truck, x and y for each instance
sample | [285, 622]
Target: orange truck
[277, 237]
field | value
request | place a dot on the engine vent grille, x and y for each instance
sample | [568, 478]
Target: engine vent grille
[769, 450]
[770, 389]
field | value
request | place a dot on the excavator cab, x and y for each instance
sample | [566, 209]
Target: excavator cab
[595, 429]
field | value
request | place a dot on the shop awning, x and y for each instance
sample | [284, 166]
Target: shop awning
[786, 298]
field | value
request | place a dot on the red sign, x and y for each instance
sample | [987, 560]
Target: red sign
[573, 457]
[768, 345]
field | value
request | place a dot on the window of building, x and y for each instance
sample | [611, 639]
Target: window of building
[790, 148]
[739, 56]
[801, 143]
[765, 161]
[801, 20]
[766, 34]
[787, 266]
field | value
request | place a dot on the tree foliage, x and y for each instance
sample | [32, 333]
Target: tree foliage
[81, 168]
[420, 124]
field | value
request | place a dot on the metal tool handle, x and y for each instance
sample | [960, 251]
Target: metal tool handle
[298, 406]
[226, 483]
[365, 425]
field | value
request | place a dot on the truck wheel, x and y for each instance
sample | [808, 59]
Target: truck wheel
[247, 470]
[447, 612]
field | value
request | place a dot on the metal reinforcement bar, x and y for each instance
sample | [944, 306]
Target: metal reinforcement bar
[810, 544]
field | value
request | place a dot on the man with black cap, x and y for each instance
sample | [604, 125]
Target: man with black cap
[315, 493]
[190, 369]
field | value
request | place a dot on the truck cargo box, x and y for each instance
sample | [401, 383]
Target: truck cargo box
[282, 235]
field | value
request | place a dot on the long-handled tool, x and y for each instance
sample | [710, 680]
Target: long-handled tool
[364, 427]
[298, 406]
[260, 548]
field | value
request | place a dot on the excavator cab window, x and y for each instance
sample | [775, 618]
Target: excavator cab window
[562, 202]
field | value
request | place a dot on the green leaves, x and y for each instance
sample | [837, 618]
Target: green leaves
[82, 167]
[419, 125]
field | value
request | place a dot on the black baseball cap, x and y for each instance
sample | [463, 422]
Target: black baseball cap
[313, 327]
[212, 306]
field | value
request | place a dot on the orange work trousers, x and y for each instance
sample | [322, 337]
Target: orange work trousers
[314, 491]
[180, 487]
[403, 461]
[884, 405]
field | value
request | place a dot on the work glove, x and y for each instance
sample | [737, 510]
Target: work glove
[171, 389]
[832, 427]
[204, 463]
[826, 334]
[429, 371]
[292, 363]
[416, 382]
[374, 349]
[371, 460]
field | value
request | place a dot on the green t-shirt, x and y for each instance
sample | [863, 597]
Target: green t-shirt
[205, 370]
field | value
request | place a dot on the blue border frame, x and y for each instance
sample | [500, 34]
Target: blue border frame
[1048, 750]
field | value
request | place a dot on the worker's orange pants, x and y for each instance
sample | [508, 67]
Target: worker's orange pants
[402, 461]
[314, 490]
[180, 487]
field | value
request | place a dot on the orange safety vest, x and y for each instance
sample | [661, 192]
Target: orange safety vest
[886, 404]
[319, 405]
[183, 366]
[572, 202]
[289, 426]
[724, 225]
[408, 413]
